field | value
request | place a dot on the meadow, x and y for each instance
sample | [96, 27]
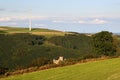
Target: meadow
[97, 70]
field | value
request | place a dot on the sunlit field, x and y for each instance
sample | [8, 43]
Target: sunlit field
[98, 70]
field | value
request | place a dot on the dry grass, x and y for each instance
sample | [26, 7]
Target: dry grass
[3, 28]
[49, 33]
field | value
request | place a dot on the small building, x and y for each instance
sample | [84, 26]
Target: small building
[60, 59]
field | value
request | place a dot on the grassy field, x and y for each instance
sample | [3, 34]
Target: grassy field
[36, 31]
[98, 70]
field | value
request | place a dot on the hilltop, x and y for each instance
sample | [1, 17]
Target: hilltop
[36, 31]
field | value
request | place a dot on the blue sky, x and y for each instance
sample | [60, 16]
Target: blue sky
[66, 15]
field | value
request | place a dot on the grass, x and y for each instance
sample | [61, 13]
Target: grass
[98, 70]
[37, 31]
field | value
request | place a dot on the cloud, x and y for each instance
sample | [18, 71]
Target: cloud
[41, 21]
[59, 21]
[80, 21]
[22, 18]
[31, 17]
[40, 25]
[5, 19]
[2, 9]
[98, 21]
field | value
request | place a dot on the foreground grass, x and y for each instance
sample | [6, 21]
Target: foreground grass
[99, 70]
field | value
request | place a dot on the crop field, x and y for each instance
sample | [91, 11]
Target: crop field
[97, 70]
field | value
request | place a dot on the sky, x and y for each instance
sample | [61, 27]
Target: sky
[83, 16]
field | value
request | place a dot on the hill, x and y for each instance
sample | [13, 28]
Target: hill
[21, 49]
[36, 31]
[97, 70]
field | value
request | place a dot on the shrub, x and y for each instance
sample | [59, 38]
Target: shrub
[39, 62]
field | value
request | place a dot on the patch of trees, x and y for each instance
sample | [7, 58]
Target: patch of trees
[15, 49]
[19, 51]
[38, 40]
[72, 41]
[103, 44]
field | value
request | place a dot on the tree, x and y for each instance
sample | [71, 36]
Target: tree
[103, 43]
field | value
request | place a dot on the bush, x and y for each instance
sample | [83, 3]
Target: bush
[39, 62]
[38, 40]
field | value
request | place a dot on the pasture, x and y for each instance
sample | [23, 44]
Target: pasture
[97, 70]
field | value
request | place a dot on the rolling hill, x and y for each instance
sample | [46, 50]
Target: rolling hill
[97, 70]
[20, 48]
[36, 31]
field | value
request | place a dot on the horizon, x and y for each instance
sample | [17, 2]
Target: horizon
[64, 15]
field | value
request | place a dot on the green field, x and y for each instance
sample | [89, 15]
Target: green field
[36, 31]
[98, 70]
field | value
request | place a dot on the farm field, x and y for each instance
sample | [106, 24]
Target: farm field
[35, 31]
[97, 70]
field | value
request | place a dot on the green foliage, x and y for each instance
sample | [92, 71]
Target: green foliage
[73, 41]
[1, 32]
[22, 50]
[19, 49]
[103, 43]
[15, 49]
[38, 40]
[39, 62]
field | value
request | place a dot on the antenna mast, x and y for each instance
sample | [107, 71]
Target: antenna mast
[30, 22]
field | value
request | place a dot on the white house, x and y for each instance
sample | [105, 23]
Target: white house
[60, 59]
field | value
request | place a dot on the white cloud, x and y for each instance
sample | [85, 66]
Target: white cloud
[82, 22]
[5, 19]
[59, 21]
[65, 20]
[40, 25]
[15, 18]
[98, 21]
[79, 20]
[94, 21]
